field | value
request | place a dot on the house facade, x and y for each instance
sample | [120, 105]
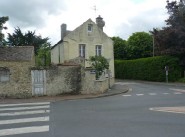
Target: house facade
[86, 40]
[15, 71]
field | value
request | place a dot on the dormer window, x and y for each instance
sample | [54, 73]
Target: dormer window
[90, 28]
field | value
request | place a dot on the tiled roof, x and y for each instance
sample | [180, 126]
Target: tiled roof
[17, 53]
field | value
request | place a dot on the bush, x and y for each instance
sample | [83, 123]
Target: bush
[182, 80]
[150, 69]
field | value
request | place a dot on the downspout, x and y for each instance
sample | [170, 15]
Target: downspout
[59, 54]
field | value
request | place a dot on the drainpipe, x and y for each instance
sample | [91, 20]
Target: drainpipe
[58, 54]
[109, 78]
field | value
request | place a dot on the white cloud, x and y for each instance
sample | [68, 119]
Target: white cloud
[122, 18]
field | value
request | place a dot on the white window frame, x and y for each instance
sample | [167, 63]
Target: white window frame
[98, 50]
[90, 27]
[82, 50]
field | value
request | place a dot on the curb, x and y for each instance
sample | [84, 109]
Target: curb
[107, 95]
[66, 98]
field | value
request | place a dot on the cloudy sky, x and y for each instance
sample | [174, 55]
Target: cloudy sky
[122, 17]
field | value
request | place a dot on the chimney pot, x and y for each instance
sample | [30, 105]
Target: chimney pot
[100, 22]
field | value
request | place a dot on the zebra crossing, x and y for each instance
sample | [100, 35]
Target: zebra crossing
[24, 118]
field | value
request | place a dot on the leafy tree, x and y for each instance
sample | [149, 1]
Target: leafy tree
[44, 57]
[119, 48]
[170, 40]
[27, 39]
[139, 45]
[99, 64]
[3, 20]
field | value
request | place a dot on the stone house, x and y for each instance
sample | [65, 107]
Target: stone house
[15, 71]
[86, 40]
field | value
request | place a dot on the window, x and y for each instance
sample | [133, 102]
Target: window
[90, 27]
[98, 50]
[4, 74]
[82, 50]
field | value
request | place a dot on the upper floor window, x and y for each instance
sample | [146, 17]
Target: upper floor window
[4, 74]
[82, 50]
[90, 28]
[98, 50]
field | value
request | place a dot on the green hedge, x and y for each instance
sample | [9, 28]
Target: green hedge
[150, 69]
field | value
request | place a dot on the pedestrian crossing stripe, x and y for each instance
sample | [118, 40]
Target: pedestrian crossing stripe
[24, 120]
[24, 104]
[24, 109]
[23, 130]
[24, 113]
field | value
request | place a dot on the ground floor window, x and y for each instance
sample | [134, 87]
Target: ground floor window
[82, 50]
[98, 50]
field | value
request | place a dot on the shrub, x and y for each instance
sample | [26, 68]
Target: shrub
[150, 69]
[99, 64]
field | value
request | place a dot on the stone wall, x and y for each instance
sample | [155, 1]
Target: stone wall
[63, 80]
[19, 85]
[74, 80]
[92, 86]
[59, 80]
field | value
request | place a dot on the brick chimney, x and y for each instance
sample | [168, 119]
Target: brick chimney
[63, 31]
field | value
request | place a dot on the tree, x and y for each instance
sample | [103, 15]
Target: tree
[170, 40]
[99, 64]
[3, 20]
[44, 57]
[139, 45]
[27, 39]
[119, 48]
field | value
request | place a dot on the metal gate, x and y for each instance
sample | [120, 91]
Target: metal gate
[38, 82]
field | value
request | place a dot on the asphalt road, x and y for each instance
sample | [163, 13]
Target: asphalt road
[147, 110]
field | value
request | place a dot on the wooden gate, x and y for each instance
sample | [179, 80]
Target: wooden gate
[38, 82]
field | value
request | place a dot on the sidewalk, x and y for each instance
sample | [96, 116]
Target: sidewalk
[115, 90]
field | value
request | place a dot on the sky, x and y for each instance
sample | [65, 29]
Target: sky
[122, 17]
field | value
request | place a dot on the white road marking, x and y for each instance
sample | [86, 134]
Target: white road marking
[24, 113]
[23, 104]
[14, 131]
[24, 120]
[139, 94]
[180, 110]
[178, 90]
[152, 94]
[177, 93]
[126, 95]
[24, 108]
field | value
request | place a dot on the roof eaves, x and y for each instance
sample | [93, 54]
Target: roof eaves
[56, 44]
